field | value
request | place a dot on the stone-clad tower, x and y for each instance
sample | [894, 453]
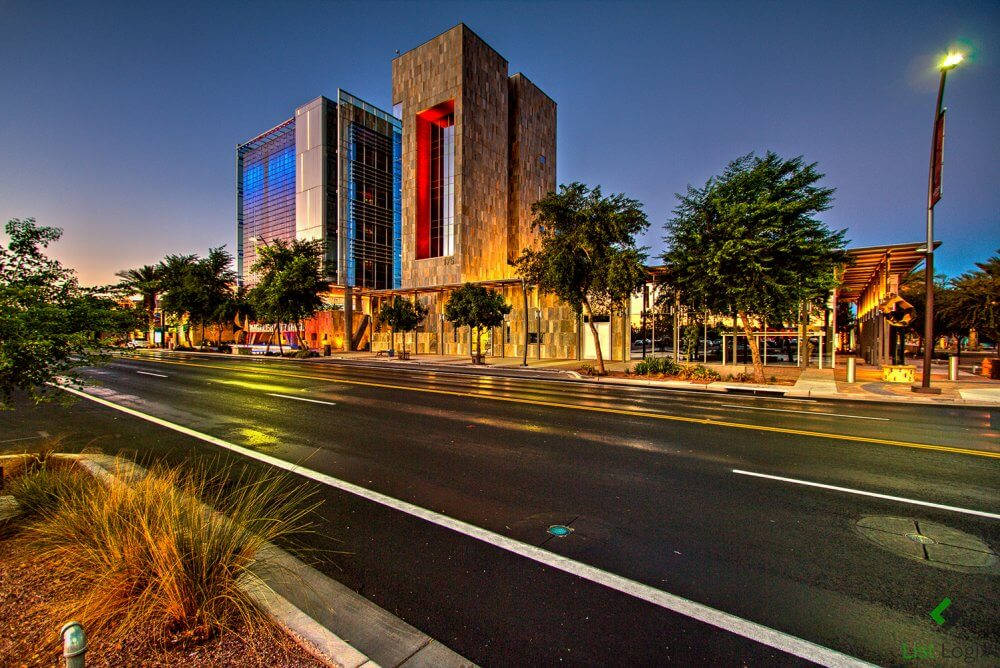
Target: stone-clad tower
[479, 148]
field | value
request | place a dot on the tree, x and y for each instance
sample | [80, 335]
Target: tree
[748, 242]
[402, 316]
[913, 289]
[145, 282]
[476, 307]
[587, 254]
[692, 335]
[218, 282]
[49, 325]
[178, 289]
[975, 300]
[291, 283]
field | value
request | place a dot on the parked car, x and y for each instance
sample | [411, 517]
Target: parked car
[137, 343]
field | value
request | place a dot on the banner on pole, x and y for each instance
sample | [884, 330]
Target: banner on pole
[938, 158]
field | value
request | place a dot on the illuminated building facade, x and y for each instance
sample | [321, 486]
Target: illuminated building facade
[332, 173]
[419, 202]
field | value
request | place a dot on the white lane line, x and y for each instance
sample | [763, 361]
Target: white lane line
[288, 396]
[789, 410]
[901, 499]
[743, 627]
[150, 373]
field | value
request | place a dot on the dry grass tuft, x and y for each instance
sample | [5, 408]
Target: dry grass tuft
[42, 489]
[150, 558]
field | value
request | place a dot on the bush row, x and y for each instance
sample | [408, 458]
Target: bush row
[668, 367]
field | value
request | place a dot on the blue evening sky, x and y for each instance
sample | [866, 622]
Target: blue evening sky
[118, 121]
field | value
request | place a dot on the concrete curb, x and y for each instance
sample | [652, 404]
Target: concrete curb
[316, 611]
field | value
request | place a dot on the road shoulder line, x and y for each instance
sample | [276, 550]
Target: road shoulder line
[861, 492]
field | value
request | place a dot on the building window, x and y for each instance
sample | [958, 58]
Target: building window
[435, 229]
[443, 187]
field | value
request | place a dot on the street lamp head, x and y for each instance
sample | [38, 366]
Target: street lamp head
[951, 60]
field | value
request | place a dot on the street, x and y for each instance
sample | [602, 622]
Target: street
[760, 508]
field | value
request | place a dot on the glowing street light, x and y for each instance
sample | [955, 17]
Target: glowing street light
[949, 62]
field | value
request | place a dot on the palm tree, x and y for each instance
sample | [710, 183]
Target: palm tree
[143, 281]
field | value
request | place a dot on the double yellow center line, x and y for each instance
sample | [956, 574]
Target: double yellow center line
[597, 409]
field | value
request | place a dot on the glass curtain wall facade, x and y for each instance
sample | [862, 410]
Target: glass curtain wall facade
[370, 174]
[265, 192]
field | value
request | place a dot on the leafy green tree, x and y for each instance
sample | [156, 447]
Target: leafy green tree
[218, 284]
[692, 335]
[290, 283]
[49, 325]
[402, 316]
[975, 300]
[178, 290]
[748, 241]
[587, 255]
[145, 282]
[477, 307]
[913, 289]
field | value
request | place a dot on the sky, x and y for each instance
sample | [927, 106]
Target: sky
[119, 121]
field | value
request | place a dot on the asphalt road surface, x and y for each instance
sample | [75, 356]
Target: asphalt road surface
[698, 521]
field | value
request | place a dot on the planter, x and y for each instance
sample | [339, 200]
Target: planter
[899, 373]
[991, 367]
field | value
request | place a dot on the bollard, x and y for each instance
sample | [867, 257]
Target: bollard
[953, 367]
[850, 369]
[74, 644]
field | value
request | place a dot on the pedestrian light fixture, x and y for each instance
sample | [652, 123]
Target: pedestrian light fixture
[950, 61]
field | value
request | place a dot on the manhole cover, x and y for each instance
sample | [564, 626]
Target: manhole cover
[934, 544]
[560, 530]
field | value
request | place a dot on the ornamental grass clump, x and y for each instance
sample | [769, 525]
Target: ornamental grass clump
[152, 558]
[40, 490]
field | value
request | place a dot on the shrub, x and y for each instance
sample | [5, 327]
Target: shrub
[40, 490]
[150, 557]
[641, 368]
[588, 369]
[699, 372]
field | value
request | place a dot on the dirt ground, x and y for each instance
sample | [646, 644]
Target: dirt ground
[27, 625]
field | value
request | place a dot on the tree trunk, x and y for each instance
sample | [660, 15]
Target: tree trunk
[758, 365]
[279, 334]
[524, 293]
[597, 339]
[479, 344]
[151, 325]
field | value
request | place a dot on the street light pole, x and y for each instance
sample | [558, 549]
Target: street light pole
[937, 151]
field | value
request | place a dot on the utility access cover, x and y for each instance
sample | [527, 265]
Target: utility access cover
[934, 544]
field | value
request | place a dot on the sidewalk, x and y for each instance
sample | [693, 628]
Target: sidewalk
[969, 390]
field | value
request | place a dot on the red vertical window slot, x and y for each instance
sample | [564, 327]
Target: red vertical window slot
[423, 195]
